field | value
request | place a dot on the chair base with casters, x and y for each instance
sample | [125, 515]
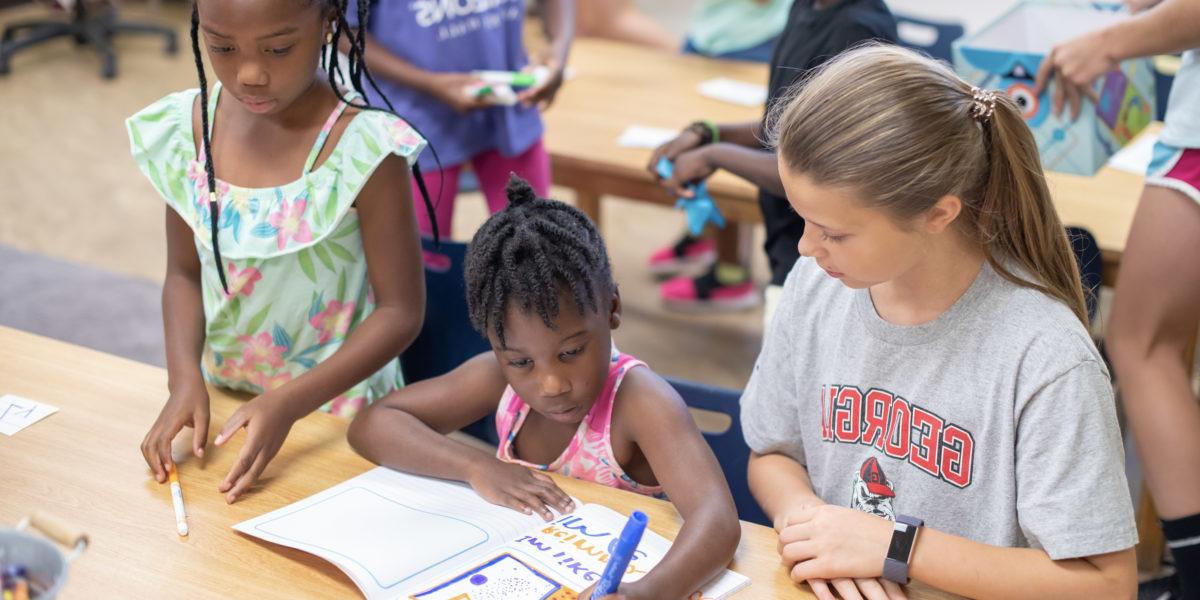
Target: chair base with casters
[95, 28]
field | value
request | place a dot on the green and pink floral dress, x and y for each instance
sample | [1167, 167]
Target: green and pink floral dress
[296, 271]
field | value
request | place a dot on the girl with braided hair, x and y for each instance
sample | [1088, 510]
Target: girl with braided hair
[539, 286]
[293, 269]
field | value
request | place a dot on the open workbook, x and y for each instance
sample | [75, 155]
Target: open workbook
[402, 536]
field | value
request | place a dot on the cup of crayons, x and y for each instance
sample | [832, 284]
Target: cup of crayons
[33, 567]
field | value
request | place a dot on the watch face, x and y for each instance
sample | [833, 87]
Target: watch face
[902, 541]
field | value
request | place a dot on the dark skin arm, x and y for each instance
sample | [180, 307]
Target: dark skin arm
[737, 151]
[653, 416]
[406, 431]
[558, 25]
[392, 249]
[183, 329]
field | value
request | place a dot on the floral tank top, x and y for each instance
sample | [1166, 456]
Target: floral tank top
[294, 261]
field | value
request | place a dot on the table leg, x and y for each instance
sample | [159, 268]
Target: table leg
[589, 203]
[733, 243]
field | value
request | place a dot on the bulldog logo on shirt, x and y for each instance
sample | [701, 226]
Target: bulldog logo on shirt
[872, 492]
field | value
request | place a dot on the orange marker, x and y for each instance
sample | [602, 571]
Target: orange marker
[177, 500]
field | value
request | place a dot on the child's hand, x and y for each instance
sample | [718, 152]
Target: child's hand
[519, 488]
[686, 140]
[691, 167]
[543, 95]
[267, 422]
[1076, 64]
[792, 512]
[856, 589]
[832, 542]
[187, 406]
[450, 88]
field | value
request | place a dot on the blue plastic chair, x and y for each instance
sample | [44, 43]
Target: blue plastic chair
[447, 339]
[930, 37]
[729, 446]
[1087, 256]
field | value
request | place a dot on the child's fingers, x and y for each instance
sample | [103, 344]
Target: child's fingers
[248, 479]
[846, 589]
[1073, 99]
[871, 589]
[1043, 74]
[820, 587]
[797, 551]
[244, 460]
[558, 498]
[516, 503]
[795, 533]
[547, 497]
[1059, 97]
[235, 422]
[534, 501]
[806, 570]
[150, 454]
[893, 589]
[199, 432]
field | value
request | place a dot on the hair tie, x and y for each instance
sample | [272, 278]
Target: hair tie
[983, 104]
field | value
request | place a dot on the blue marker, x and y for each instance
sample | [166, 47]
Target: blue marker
[621, 554]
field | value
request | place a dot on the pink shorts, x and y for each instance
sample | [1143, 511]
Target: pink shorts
[492, 170]
[1175, 168]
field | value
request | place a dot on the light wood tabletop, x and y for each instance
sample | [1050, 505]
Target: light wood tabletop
[82, 464]
[617, 85]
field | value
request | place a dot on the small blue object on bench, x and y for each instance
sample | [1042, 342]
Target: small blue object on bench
[729, 446]
[930, 37]
[447, 339]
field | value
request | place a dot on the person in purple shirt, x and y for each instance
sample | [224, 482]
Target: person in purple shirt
[422, 53]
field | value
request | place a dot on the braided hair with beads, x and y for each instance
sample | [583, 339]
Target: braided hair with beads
[532, 252]
[356, 69]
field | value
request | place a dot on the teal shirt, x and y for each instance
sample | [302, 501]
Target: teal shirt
[721, 26]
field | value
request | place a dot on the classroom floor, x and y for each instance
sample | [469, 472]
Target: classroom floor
[69, 191]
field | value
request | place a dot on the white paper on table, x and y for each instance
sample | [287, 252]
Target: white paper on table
[737, 92]
[1135, 157]
[640, 136]
[17, 413]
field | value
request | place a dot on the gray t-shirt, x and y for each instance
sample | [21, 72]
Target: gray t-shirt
[994, 422]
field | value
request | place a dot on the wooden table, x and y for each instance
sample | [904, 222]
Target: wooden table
[617, 85]
[83, 465]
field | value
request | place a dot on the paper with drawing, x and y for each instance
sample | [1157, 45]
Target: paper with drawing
[403, 536]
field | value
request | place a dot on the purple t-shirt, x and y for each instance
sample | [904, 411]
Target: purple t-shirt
[451, 36]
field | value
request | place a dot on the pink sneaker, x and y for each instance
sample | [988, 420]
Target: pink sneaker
[686, 254]
[723, 288]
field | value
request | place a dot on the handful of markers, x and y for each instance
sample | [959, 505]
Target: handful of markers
[496, 87]
[15, 583]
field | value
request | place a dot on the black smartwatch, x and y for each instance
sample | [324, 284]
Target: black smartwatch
[904, 535]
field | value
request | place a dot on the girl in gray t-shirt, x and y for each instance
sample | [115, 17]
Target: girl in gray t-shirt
[929, 359]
